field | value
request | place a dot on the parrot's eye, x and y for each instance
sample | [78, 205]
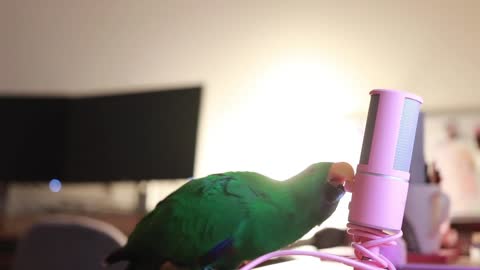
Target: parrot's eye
[333, 194]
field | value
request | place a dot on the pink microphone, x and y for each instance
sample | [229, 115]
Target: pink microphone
[380, 189]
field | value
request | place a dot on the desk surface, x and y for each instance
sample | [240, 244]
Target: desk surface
[306, 264]
[13, 227]
[315, 264]
[311, 263]
[469, 224]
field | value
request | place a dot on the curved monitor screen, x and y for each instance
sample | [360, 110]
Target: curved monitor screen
[147, 135]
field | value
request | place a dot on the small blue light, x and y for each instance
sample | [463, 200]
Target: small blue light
[55, 185]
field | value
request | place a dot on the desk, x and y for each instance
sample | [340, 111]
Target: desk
[306, 264]
[316, 264]
[13, 228]
[311, 263]
[466, 226]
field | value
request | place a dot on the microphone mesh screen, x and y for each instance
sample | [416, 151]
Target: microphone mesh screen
[406, 135]
[370, 127]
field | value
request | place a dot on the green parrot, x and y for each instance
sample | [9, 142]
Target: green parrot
[219, 221]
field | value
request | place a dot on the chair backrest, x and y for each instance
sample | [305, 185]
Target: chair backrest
[68, 242]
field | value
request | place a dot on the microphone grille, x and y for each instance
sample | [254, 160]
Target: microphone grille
[369, 129]
[406, 135]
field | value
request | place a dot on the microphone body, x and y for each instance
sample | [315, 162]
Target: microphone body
[379, 191]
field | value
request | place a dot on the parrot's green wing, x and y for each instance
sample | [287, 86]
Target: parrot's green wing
[213, 220]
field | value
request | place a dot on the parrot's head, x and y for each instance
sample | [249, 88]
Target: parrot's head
[325, 182]
[333, 188]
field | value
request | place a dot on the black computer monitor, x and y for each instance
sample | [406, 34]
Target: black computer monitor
[145, 135]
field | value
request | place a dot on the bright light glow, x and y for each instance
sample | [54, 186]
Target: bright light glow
[301, 110]
[55, 185]
[159, 190]
[291, 114]
[295, 115]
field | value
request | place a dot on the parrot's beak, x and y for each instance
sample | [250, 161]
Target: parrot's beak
[340, 173]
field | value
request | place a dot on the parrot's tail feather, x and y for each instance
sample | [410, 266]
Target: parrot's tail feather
[118, 255]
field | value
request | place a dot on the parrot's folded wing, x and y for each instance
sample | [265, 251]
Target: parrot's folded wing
[222, 249]
[201, 221]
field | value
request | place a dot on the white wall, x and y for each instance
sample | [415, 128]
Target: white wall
[278, 75]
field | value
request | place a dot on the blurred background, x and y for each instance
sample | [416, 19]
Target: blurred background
[265, 86]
